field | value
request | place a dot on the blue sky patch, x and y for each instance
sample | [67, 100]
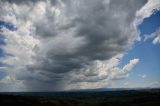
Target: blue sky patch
[147, 53]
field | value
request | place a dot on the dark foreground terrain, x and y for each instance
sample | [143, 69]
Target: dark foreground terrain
[150, 97]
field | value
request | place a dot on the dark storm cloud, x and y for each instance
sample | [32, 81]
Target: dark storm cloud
[104, 29]
[106, 35]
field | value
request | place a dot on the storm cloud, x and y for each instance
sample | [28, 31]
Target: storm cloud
[68, 44]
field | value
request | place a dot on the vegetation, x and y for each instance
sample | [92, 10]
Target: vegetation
[100, 98]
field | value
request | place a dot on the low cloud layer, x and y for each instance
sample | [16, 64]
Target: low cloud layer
[67, 44]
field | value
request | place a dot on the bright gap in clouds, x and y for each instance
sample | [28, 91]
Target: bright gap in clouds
[63, 45]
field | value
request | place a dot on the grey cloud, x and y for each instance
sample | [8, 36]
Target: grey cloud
[93, 73]
[54, 2]
[22, 1]
[106, 35]
[101, 29]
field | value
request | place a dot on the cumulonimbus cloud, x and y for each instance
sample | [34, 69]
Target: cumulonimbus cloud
[66, 44]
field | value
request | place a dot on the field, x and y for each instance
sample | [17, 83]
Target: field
[149, 97]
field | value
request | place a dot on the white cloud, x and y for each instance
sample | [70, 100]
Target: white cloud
[156, 40]
[142, 75]
[155, 84]
[147, 10]
[130, 65]
[125, 69]
[100, 74]
[155, 36]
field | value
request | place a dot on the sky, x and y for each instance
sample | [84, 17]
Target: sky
[57, 45]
